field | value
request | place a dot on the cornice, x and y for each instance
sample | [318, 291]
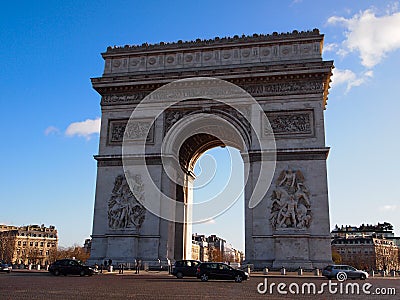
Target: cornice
[215, 42]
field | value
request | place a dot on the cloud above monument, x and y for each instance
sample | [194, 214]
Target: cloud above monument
[370, 36]
[84, 129]
[350, 78]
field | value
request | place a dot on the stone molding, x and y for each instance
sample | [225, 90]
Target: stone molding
[216, 41]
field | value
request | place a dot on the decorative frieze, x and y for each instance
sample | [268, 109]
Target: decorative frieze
[290, 123]
[133, 131]
[284, 88]
[226, 51]
[132, 98]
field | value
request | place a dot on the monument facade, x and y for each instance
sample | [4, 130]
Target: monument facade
[163, 105]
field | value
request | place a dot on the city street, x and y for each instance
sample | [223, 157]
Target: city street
[160, 285]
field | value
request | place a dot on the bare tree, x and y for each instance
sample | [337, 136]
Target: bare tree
[6, 247]
[336, 257]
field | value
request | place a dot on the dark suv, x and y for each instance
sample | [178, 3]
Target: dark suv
[342, 272]
[213, 270]
[183, 268]
[70, 266]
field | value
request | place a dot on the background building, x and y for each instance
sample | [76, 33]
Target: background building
[214, 248]
[368, 247]
[31, 244]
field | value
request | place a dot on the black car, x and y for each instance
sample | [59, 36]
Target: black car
[186, 268]
[214, 270]
[5, 267]
[70, 266]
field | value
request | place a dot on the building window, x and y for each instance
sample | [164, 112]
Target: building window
[36, 244]
[19, 243]
[31, 244]
[23, 243]
[48, 244]
[41, 244]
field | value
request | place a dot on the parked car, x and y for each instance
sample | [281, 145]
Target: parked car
[332, 271]
[5, 267]
[70, 266]
[183, 268]
[214, 270]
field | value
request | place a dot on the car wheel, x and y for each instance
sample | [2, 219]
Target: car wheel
[238, 278]
[363, 277]
[204, 277]
[56, 273]
[179, 275]
[82, 273]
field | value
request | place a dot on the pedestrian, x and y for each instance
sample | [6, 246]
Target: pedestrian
[169, 266]
[138, 262]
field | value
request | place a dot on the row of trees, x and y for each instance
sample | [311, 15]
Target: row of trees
[384, 258]
[216, 255]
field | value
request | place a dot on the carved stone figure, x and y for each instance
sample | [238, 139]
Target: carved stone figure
[290, 206]
[124, 209]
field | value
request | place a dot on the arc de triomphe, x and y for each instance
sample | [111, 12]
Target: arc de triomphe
[163, 105]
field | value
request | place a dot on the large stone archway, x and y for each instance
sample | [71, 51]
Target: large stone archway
[289, 81]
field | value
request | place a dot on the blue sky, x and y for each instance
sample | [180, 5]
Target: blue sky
[49, 50]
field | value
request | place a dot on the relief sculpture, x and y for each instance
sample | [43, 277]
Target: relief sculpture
[124, 209]
[290, 206]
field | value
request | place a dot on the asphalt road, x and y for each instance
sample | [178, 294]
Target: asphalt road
[153, 285]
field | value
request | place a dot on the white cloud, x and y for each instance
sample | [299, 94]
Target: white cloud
[389, 207]
[330, 47]
[85, 128]
[349, 78]
[51, 130]
[372, 37]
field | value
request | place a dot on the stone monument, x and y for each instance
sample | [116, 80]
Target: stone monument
[289, 80]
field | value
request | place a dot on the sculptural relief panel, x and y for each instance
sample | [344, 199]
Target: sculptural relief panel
[137, 130]
[290, 205]
[290, 123]
[124, 209]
